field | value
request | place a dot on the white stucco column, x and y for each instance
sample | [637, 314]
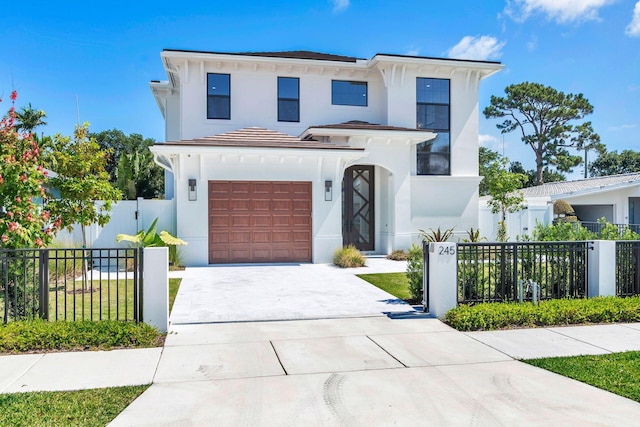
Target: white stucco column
[403, 228]
[602, 268]
[443, 286]
[155, 310]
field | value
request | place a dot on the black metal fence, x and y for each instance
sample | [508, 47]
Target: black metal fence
[513, 271]
[71, 284]
[627, 268]
[596, 227]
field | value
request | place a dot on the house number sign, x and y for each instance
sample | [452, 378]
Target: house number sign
[447, 250]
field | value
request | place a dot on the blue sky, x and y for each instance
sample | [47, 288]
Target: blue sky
[105, 53]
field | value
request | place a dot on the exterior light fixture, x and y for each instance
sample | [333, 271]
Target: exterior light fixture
[193, 193]
[328, 191]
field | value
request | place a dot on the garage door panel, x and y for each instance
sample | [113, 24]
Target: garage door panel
[259, 221]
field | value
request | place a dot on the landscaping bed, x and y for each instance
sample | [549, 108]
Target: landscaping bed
[558, 312]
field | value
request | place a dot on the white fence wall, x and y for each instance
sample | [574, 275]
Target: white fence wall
[128, 217]
[519, 223]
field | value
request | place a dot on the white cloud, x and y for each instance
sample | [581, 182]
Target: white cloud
[413, 52]
[340, 5]
[561, 11]
[481, 48]
[633, 29]
[623, 127]
[487, 140]
[532, 44]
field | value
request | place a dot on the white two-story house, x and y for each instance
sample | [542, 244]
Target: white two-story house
[287, 156]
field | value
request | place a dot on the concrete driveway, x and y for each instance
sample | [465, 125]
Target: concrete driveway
[282, 292]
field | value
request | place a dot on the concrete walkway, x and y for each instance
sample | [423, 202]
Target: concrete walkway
[355, 371]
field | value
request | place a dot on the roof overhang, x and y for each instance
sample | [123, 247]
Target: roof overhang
[413, 136]
[599, 190]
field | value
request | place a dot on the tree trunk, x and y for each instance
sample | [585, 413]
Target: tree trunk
[85, 267]
[539, 169]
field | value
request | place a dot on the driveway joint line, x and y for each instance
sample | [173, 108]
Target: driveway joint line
[385, 350]
[26, 371]
[489, 345]
[278, 357]
[579, 340]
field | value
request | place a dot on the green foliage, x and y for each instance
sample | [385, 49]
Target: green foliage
[24, 222]
[348, 257]
[395, 284]
[485, 158]
[561, 232]
[174, 286]
[618, 373]
[96, 407]
[437, 235]
[39, 335]
[131, 164]
[397, 255]
[546, 118]
[548, 175]
[28, 119]
[81, 180]
[556, 312]
[414, 271]
[473, 236]
[563, 211]
[151, 238]
[503, 187]
[614, 163]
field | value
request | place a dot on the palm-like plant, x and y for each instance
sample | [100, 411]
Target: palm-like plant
[29, 118]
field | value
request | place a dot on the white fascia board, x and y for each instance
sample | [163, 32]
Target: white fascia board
[213, 57]
[167, 150]
[416, 137]
[601, 189]
[160, 90]
[486, 68]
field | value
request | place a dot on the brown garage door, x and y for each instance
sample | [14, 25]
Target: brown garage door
[259, 221]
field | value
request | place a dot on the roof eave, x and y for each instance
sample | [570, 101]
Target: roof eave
[414, 135]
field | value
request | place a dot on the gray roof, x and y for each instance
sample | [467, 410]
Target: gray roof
[580, 185]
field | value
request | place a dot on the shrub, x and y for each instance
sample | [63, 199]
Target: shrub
[561, 232]
[436, 235]
[39, 335]
[398, 255]
[348, 257]
[414, 271]
[557, 312]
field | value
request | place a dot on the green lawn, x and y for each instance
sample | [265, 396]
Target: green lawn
[618, 373]
[95, 407]
[174, 285]
[394, 283]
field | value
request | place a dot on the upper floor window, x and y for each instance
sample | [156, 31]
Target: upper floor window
[218, 96]
[288, 99]
[348, 93]
[433, 113]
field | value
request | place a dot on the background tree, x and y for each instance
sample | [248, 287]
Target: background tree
[24, 222]
[504, 189]
[486, 158]
[130, 164]
[29, 118]
[548, 175]
[546, 119]
[614, 163]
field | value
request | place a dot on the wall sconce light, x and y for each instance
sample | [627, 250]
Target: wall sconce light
[328, 191]
[193, 194]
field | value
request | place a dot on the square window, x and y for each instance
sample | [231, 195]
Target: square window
[348, 93]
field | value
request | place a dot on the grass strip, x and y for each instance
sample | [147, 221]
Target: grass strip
[39, 335]
[174, 285]
[618, 373]
[96, 407]
[395, 284]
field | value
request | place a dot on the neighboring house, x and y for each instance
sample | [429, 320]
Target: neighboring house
[615, 198]
[286, 156]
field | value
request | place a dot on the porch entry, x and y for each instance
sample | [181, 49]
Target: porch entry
[358, 216]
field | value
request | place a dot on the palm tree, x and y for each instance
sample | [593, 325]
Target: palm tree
[28, 118]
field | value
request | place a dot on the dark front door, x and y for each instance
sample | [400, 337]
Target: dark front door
[358, 226]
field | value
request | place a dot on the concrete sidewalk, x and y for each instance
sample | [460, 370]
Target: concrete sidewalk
[353, 371]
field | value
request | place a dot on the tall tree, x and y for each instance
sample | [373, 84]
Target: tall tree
[130, 164]
[613, 163]
[548, 175]
[549, 122]
[504, 189]
[29, 118]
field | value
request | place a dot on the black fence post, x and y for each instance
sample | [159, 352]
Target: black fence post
[43, 285]
[425, 276]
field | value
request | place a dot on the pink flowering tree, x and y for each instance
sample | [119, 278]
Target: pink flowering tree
[24, 221]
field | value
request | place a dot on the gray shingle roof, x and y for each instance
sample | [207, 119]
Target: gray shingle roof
[568, 187]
